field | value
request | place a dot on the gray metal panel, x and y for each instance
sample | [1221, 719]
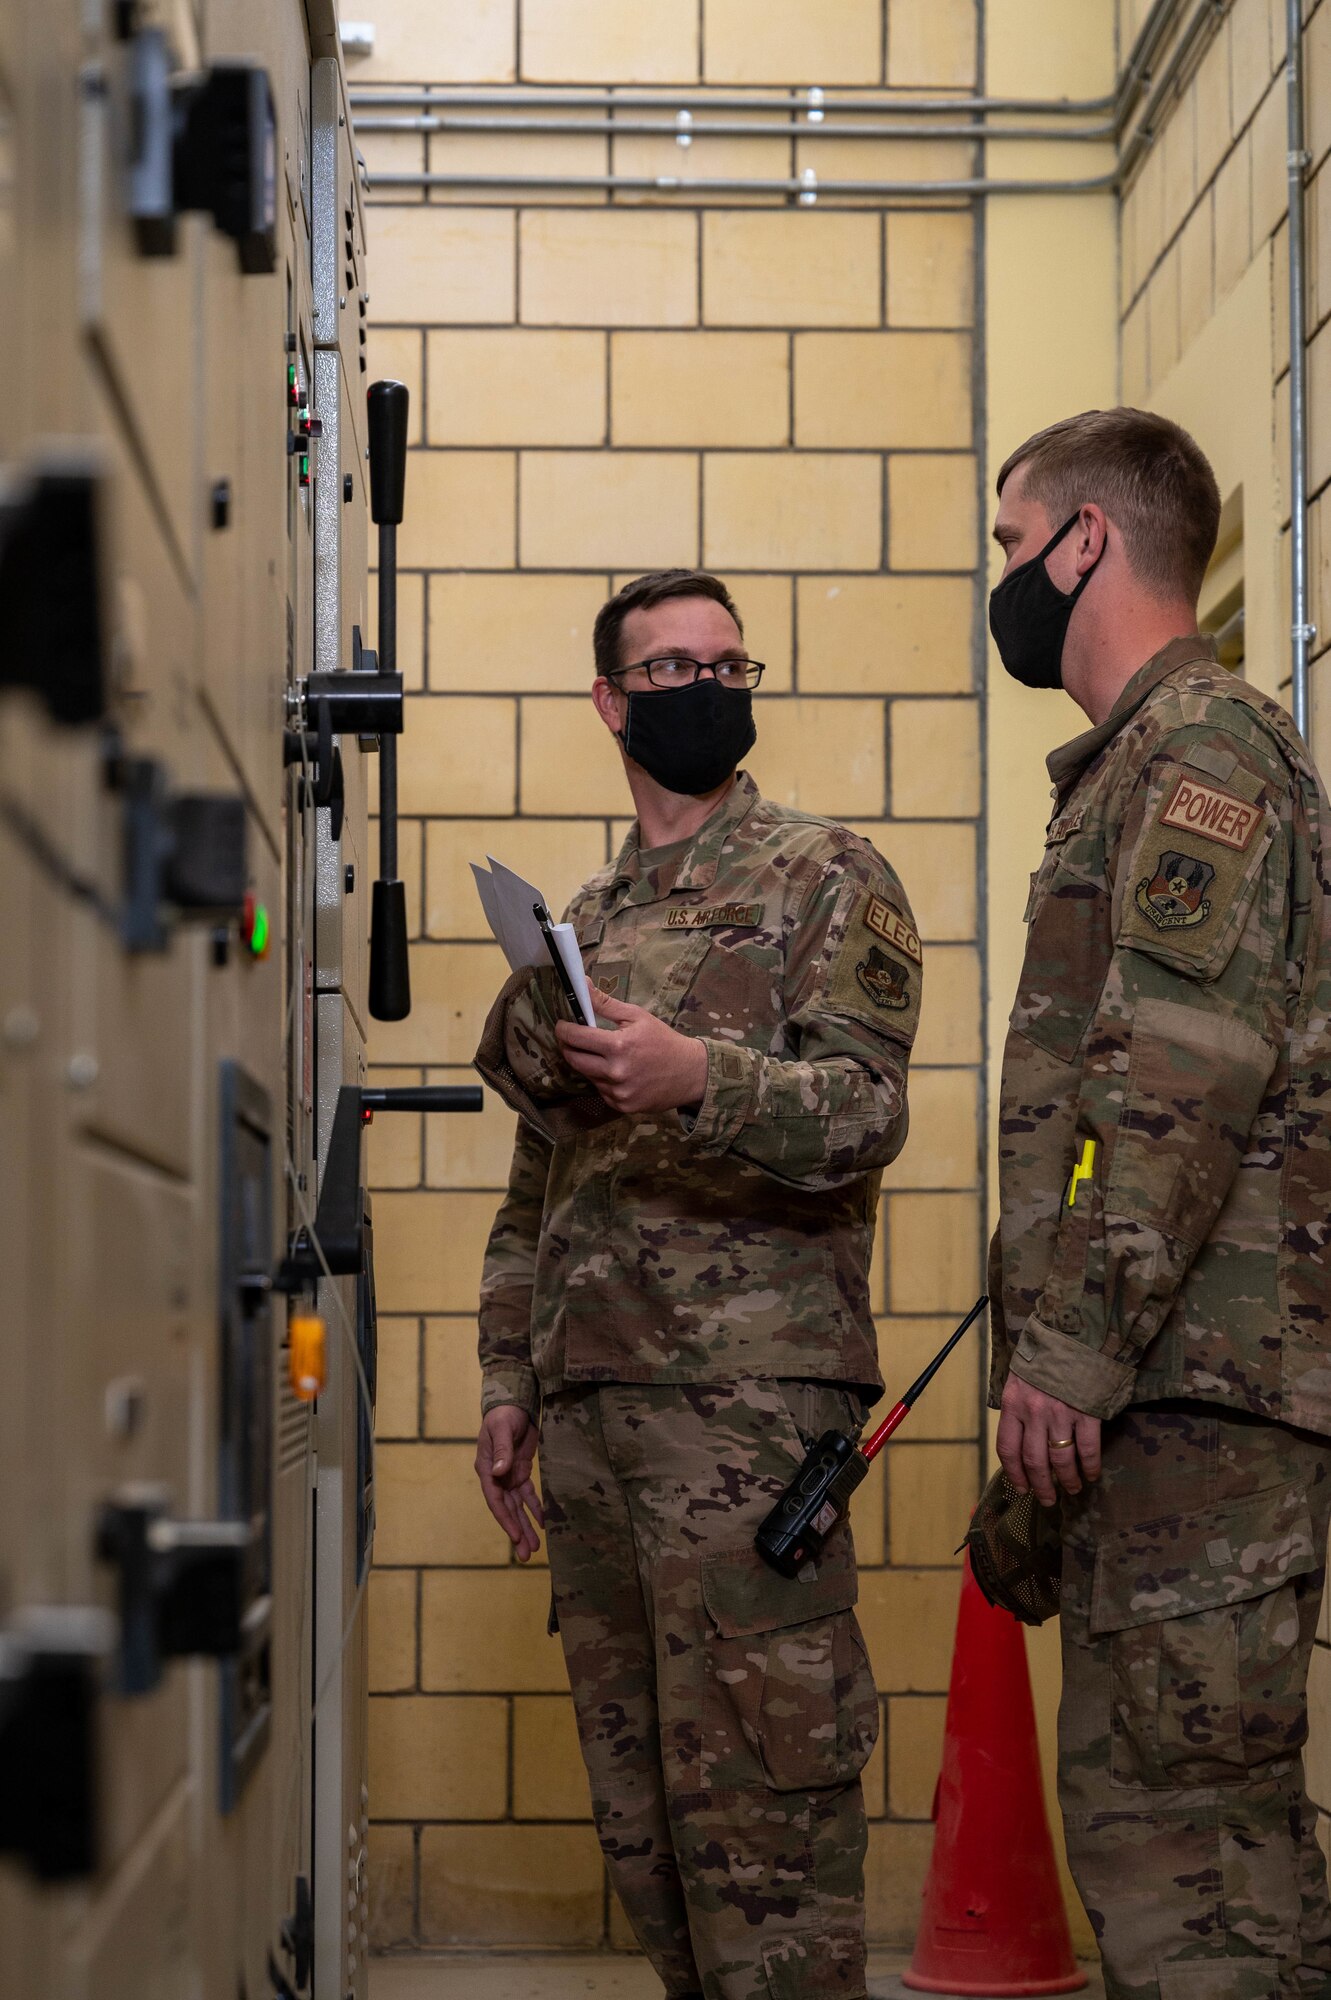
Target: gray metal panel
[338, 236]
[340, 1749]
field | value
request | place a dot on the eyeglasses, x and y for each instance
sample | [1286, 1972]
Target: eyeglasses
[675, 672]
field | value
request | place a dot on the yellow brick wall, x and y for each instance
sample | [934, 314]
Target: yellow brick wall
[784, 395]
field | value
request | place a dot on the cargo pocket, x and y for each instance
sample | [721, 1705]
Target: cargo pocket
[789, 1699]
[1202, 1611]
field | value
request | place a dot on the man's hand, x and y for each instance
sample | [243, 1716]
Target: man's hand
[638, 1065]
[505, 1454]
[1041, 1440]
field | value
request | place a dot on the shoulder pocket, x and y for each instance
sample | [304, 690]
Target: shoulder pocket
[1194, 875]
[873, 964]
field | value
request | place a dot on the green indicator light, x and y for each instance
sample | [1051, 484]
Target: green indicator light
[259, 931]
[291, 381]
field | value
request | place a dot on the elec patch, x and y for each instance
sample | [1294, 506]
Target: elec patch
[880, 917]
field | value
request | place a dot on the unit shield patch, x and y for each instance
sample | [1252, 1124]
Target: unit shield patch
[1174, 897]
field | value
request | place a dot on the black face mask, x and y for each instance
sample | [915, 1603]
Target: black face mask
[689, 740]
[1029, 616]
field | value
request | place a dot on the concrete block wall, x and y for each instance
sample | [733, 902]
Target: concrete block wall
[599, 387]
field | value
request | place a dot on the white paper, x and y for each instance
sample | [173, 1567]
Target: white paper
[566, 943]
[509, 906]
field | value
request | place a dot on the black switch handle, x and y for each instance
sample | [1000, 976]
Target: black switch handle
[425, 1097]
[387, 403]
[390, 974]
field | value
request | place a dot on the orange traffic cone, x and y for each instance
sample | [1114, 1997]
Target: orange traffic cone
[993, 1919]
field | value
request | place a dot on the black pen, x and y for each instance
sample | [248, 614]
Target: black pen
[542, 916]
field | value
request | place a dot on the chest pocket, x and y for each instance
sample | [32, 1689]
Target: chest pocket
[648, 977]
[733, 990]
[1067, 945]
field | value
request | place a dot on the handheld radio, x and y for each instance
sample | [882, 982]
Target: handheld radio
[819, 1494]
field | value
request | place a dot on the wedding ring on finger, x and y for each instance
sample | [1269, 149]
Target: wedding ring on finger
[1061, 1444]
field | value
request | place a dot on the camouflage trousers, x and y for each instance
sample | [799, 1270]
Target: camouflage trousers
[724, 1712]
[1192, 1577]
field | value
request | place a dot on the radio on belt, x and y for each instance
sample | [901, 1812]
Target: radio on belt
[819, 1494]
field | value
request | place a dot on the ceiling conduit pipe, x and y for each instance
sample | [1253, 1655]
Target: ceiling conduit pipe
[807, 102]
[1301, 632]
[442, 120]
[807, 190]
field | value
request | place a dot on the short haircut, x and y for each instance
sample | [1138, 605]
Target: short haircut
[641, 595]
[1152, 479]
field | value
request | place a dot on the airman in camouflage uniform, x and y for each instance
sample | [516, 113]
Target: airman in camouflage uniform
[683, 1295]
[1162, 1262]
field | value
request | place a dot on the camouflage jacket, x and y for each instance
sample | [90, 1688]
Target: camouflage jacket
[667, 1248]
[1165, 1116]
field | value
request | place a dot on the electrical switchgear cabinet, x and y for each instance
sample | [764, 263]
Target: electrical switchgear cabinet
[182, 990]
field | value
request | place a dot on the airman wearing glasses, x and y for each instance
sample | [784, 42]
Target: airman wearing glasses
[676, 1290]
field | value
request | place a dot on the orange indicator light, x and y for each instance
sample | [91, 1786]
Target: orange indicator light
[307, 1355]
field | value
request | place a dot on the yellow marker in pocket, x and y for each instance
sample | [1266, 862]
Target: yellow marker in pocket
[1083, 1171]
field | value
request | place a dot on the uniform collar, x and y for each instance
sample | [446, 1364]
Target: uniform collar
[1067, 763]
[696, 867]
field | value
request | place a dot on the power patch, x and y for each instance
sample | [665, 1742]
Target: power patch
[1211, 813]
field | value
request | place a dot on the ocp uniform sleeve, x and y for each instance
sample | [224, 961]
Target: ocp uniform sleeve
[851, 992]
[508, 1278]
[1176, 1060]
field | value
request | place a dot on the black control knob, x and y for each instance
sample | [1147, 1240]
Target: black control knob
[181, 1584]
[207, 143]
[184, 853]
[51, 1665]
[51, 585]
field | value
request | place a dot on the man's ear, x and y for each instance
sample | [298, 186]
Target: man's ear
[1091, 537]
[609, 704]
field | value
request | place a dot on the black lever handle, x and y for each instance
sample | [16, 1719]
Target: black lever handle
[425, 1097]
[387, 405]
[339, 1219]
[390, 974]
